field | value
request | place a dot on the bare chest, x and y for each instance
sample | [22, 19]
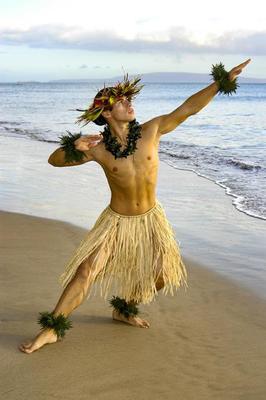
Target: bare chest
[142, 164]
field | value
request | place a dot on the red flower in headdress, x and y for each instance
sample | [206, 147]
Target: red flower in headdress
[110, 95]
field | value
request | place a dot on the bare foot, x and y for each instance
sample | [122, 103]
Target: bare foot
[132, 320]
[46, 336]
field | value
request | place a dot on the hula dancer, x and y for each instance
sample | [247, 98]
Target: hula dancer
[132, 243]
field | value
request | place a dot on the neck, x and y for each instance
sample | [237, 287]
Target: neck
[119, 129]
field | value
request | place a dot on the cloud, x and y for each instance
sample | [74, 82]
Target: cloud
[83, 66]
[62, 37]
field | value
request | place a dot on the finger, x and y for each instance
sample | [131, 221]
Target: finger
[94, 137]
[246, 62]
[242, 64]
[94, 143]
[91, 139]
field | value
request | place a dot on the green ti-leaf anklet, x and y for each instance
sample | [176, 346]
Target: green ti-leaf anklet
[123, 307]
[59, 324]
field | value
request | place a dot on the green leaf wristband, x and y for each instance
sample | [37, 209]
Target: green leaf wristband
[221, 76]
[67, 144]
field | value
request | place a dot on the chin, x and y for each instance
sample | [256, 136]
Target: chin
[132, 117]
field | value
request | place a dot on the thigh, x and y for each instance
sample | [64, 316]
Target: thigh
[92, 265]
[158, 273]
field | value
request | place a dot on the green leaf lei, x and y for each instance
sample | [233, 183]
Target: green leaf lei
[112, 145]
[220, 75]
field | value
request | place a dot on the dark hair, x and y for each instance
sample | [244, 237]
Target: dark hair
[101, 120]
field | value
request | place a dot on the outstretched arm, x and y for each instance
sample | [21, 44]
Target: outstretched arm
[168, 122]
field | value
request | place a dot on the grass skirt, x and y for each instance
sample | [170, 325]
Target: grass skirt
[130, 252]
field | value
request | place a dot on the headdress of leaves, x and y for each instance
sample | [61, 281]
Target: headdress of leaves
[128, 88]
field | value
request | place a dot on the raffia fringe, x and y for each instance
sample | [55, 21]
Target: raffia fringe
[128, 255]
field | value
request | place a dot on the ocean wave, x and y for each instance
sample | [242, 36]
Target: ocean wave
[243, 165]
[240, 202]
[240, 178]
[10, 123]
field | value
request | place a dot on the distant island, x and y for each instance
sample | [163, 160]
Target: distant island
[150, 77]
[162, 77]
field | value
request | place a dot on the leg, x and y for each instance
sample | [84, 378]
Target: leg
[159, 275]
[132, 320]
[135, 320]
[72, 296]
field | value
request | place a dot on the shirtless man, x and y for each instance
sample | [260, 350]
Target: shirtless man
[132, 182]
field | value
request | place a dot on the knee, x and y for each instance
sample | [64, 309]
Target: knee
[83, 271]
[159, 283]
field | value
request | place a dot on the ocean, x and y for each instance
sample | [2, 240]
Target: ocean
[224, 142]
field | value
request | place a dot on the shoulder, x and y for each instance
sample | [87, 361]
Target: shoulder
[151, 123]
[150, 127]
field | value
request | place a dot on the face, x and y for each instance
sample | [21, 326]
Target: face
[122, 110]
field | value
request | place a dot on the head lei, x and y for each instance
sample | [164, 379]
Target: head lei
[108, 96]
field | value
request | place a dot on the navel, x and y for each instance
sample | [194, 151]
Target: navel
[115, 169]
[148, 157]
[137, 204]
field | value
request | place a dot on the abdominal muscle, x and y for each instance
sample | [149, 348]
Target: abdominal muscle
[132, 180]
[136, 196]
[135, 204]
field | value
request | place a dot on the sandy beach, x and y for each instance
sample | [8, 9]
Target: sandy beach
[206, 343]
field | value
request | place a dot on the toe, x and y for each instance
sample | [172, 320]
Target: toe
[23, 349]
[26, 345]
[28, 351]
[146, 324]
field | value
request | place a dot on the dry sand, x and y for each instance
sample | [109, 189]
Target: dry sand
[206, 343]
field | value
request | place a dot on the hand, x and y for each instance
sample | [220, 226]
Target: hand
[85, 142]
[237, 70]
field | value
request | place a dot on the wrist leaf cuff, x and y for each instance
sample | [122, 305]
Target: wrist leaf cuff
[220, 75]
[67, 144]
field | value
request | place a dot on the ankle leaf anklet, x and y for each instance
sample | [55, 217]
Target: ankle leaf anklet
[59, 324]
[123, 307]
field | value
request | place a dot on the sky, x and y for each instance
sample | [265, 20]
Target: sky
[82, 39]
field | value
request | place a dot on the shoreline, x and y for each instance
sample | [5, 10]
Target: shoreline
[226, 190]
[209, 338]
[210, 229]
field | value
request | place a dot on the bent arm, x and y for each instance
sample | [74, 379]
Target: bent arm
[57, 158]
